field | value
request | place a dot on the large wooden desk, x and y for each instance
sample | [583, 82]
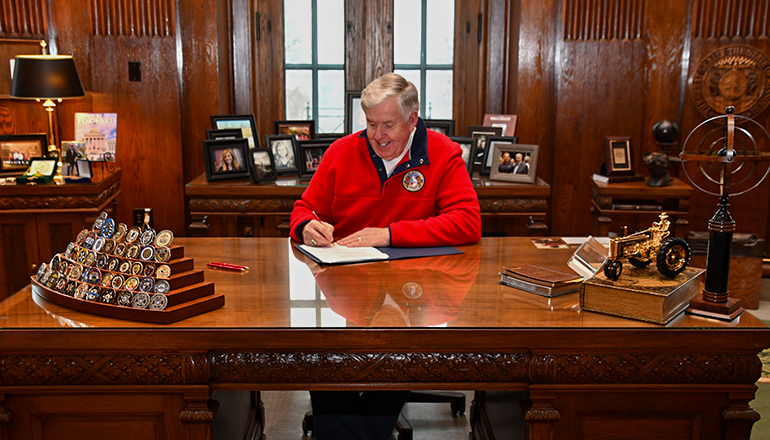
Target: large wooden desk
[37, 221]
[65, 374]
[238, 208]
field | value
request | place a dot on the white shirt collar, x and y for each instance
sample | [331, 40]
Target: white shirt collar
[391, 164]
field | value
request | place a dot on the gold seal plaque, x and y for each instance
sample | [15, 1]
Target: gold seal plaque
[732, 75]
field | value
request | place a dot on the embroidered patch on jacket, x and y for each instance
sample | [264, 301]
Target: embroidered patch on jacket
[413, 181]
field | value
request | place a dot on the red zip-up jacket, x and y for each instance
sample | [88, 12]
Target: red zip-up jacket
[428, 201]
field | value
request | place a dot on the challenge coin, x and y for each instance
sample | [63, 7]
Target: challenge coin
[137, 268]
[94, 276]
[77, 271]
[103, 215]
[69, 250]
[69, 290]
[102, 261]
[52, 279]
[149, 269]
[55, 261]
[109, 246]
[120, 249]
[163, 271]
[164, 238]
[141, 300]
[97, 226]
[132, 251]
[146, 284]
[162, 254]
[107, 280]
[43, 279]
[63, 266]
[124, 298]
[88, 243]
[90, 258]
[158, 301]
[132, 283]
[41, 271]
[93, 294]
[98, 244]
[108, 296]
[147, 236]
[60, 284]
[81, 238]
[162, 286]
[125, 267]
[117, 281]
[108, 228]
[80, 291]
[120, 232]
[113, 265]
[133, 234]
[82, 254]
[147, 253]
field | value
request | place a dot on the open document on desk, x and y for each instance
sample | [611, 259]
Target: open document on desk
[331, 255]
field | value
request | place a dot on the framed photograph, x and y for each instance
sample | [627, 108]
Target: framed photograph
[330, 136]
[284, 150]
[506, 122]
[443, 126]
[226, 158]
[302, 130]
[468, 145]
[311, 153]
[523, 160]
[226, 133]
[71, 153]
[617, 155]
[355, 119]
[245, 123]
[84, 169]
[489, 159]
[481, 133]
[262, 165]
[16, 150]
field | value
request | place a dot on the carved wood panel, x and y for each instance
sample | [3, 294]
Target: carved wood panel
[23, 19]
[603, 19]
[133, 18]
[727, 19]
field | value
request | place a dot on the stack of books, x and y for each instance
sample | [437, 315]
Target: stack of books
[540, 280]
[617, 179]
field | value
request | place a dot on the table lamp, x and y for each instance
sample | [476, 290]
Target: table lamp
[50, 78]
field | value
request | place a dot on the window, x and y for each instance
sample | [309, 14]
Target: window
[314, 43]
[430, 63]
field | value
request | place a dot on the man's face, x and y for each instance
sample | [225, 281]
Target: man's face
[506, 158]
[519, 157]
[386, 129]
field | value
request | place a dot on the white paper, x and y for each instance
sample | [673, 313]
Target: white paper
[341, 254]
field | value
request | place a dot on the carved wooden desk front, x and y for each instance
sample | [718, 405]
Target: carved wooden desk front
[64, 372]
[238, 208]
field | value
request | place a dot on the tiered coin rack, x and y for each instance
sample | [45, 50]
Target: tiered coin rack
[132, 284]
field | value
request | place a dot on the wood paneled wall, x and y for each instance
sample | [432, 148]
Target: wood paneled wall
[572, 70]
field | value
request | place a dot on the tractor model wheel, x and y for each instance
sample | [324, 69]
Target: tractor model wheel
[673, 257]
[636, 262]
[613, 269]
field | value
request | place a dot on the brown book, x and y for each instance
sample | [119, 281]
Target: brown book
[641, 293]
[540, 275]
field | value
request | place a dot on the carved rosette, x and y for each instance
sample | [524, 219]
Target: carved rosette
[513, 205]
[368, 367]
[60, 202]
[200, 415]
[104, 370]
[542, 414]
[653, 369]
[241, 205]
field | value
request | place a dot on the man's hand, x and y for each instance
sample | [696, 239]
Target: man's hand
[318, 233]
[367, 237]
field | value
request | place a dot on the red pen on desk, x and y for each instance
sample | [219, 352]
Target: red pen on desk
[218, 265]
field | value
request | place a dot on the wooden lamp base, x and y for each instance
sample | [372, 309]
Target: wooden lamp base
[726, 311]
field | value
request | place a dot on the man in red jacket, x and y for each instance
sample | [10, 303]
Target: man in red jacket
[394, 184]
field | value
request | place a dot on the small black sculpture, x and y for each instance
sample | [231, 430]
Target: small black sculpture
[665, 133]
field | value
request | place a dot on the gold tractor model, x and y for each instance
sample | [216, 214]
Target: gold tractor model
[643, 247]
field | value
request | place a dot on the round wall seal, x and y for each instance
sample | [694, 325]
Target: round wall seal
[732, 75]
[413, 181]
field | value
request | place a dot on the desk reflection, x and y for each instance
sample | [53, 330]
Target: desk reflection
[422, 292]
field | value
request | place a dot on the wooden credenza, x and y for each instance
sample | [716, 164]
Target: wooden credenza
[242, 208]
[37, 221]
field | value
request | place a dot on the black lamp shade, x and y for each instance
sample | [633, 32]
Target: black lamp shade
[46, 76]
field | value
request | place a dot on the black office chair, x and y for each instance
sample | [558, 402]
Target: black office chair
[456, 402]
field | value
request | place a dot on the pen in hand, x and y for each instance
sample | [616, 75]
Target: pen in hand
[328, 237]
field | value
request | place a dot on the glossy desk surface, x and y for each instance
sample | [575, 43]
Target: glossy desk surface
[285, 290]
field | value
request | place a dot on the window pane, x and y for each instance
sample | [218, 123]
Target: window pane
[299, 94]
[298, 30]
[439, 32]
[331, 101]
[407, 23]
[413, 76]
[438, 94]
[331, 32]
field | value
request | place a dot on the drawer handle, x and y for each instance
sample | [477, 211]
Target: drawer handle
[495, 206]
[241, 206]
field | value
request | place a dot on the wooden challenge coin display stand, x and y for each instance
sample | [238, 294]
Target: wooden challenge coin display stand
[126, 273]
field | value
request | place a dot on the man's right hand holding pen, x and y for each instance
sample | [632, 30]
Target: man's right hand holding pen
[318, 232]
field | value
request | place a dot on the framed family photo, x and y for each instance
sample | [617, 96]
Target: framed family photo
[443, 126]
[17, 150]
[489, 158]
[226, 133]
[514, 162]
[245, 123]
[311, 153]
[284, 150]
[71, 153]
[468, 145]
[302, 130]
[262, 165]
[355, 119]
[617, 154]
[226, 158]
[481, 133]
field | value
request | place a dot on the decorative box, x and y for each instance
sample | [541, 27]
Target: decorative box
[40, 170]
